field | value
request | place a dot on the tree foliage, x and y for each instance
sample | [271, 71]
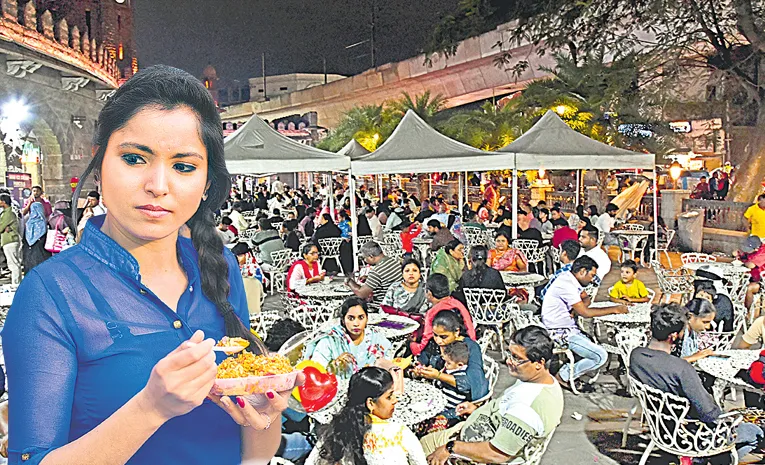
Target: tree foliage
[668, 36]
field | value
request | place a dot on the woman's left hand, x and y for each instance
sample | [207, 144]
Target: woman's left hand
[262, 418]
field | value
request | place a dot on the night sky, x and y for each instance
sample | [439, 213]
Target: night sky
[232, 34]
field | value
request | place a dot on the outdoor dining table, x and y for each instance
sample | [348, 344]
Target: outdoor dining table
[395, 328]
[735, 273]
[724, 371]
[419, 402]
[522, 280]
[638, 316]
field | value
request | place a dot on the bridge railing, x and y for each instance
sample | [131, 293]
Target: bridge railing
[720, 215]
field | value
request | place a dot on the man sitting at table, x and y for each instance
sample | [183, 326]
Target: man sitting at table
[564, 299]
[385, 273]
[656, 367]
[588, 237]
[441, 236]
[569, 251]
[528, 411]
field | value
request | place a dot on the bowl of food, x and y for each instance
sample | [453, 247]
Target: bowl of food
[251, 376]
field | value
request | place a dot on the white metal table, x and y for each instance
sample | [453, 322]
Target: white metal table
[725, 369]
[639, 316]
[736, 276]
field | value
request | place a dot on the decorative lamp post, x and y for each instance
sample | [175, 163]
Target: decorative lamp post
[674, 171]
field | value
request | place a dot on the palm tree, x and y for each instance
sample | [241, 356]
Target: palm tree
[370, 125]
[489, 128]
[425, 107]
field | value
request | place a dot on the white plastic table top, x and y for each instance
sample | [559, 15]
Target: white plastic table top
[638, 313]
[419, 402]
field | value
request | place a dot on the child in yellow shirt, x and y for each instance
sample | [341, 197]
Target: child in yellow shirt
[629, 289]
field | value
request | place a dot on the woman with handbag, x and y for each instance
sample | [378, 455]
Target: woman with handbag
[34, 240]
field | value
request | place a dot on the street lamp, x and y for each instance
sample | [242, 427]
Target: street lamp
[674, 171]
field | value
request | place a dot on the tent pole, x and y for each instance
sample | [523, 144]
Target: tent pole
[331, 194]
[354, 221]
[515, 203]
[295, 180]
[430, 186]
[656, 216]
[460, 196]
[379, 187]
[467, 190]
[578, 184]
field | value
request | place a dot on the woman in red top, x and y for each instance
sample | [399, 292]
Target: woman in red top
[307, 270]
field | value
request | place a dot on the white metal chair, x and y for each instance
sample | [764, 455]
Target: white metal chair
[363, 240]
[262, 322]
[277, 272]
[392, 246]
[555, 253]
[247, 234]
[534, 253]
[673, 281]
[313, 314]
[521, 319]
[491, 372]
[532, 453]
[663, 247]
[626, 341]
[475, 236]
[673, 432]
[696, 257]
[737, 284]
[485, 340]
[330, 249]
[488, 307]
[634, 252]
[718, 340]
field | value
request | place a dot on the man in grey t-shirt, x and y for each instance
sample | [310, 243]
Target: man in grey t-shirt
[385, 272]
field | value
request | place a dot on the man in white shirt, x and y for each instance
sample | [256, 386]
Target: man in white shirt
[374, 224]
[94, 202]
[606, 223]
[588, 237]
[566, 297]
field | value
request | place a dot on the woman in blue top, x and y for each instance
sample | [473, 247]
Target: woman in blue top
[105, 343]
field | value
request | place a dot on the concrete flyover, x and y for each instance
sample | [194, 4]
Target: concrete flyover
[470, 75]
[64, 79]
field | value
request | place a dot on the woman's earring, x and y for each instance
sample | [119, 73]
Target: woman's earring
[204, 196]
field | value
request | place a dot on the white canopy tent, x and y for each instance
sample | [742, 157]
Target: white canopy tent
[415, 147]
[552, 144]
[258, 148]
[353, 150]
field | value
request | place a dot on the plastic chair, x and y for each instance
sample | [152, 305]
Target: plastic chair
[673, 432]
[277, 272]
[488, 307]
[534, 253]
[696, 257]
[330, 249]
[627, 340]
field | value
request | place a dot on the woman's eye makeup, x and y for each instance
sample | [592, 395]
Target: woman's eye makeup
[184, 167]
[133, 159]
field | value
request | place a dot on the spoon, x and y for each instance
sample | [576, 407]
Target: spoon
[229, 350]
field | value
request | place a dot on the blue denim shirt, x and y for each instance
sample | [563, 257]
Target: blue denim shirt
[81, 339]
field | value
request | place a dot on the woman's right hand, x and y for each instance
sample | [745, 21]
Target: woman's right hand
[181, 381]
